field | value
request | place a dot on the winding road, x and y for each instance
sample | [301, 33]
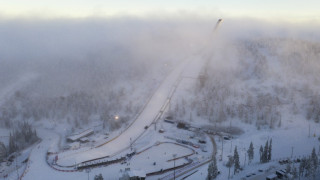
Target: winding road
[37, 165]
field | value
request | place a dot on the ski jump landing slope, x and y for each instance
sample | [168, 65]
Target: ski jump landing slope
[137, 128]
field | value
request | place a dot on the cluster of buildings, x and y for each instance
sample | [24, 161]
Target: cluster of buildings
[76, 139]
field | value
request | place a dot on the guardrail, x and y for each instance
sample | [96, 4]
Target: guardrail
[167, 170]
[103, 163]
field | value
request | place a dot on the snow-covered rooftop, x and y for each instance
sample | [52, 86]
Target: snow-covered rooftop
[137, 173]
[81, 135]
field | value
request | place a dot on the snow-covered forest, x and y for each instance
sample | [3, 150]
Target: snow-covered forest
[83, 71]
[257, 81]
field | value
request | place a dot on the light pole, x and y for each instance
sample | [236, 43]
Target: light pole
[245, 157]
[174, 166]
[17, 167]
[88, 171]
[222, 149]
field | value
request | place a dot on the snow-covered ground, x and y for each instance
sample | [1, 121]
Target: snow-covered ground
[295, 133]
[15, 168]
[146, 118]
[160, 155]
[38, 167]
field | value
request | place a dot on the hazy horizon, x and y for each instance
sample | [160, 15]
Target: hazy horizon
[275, 11]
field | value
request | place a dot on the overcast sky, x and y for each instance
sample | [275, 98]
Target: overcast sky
[292, 10]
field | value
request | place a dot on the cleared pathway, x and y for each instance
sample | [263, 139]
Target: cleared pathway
[38, 169]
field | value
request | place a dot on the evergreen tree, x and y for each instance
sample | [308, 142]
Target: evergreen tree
[307, 167]
[288, 168]
[313, 163]
[302, 166]
[98, 177]
[314, 158]
[270, 150]
[279, 124]
[21, 137]
[212, 169]
[230, 164]
[236, 160]
[35, 134]
[12, 146]
[250, 153]
[294, 172]
[261, 153]
[265, 153]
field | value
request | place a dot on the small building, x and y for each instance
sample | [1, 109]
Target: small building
[3, 151]
[169, 121]
[182, 125]
[161, 130]
[73, 146]
[83, 134]
[133, 175]
[84, 140]
[226, 137]
[137, 175]
[280, 174]
[272, 177]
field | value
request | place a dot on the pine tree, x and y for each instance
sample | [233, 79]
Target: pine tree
[294, 172]
[279, 124]
[314, 158]
[11, 149]
[270, 150]
[261, 153]
[236, 160]
[35, 134]
[313, 163]
[230, 164]
[98, 177]
[12, 144]
[288, 168]
[212, 169]
[308, 167]
[302, 167]
[265, 153]
[250, 153]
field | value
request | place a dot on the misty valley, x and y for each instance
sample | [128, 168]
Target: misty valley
[159, 99]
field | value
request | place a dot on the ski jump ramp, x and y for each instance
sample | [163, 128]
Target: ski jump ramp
[137, 128]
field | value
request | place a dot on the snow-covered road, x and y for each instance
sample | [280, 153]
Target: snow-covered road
[137, 128]
[38, 168]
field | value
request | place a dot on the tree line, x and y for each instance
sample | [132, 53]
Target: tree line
[76, 108]
[21, 137]
[222, 94]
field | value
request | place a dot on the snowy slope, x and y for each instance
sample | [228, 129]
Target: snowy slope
[137, 128]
